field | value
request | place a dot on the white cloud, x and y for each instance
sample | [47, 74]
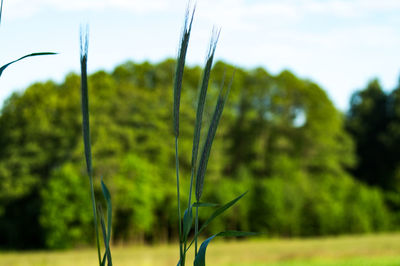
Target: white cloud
[32, 8]
[235, 13]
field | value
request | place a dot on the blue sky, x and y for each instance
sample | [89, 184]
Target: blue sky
[340, 44]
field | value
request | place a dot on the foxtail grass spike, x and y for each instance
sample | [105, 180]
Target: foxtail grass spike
[180, 65]
[201, 170]
[86, 128]
[199, 117]
[85, 100]
[200, 107]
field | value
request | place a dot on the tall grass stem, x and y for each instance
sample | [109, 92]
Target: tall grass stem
[84, 42]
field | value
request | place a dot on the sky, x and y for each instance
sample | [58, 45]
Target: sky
[339, 44]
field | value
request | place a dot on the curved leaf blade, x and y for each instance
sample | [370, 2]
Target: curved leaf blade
[200, 259]
[215, 214]
[187, 223]
[220, 210]
[29, 55]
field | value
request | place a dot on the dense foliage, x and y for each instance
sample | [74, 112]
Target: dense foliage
[280, 138]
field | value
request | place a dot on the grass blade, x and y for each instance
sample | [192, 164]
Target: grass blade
[187, 223]
[86, 129]
[214, 215]
[220, 210]
[200, 259]
[29, 55]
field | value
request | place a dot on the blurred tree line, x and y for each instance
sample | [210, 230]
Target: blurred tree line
[309, 169]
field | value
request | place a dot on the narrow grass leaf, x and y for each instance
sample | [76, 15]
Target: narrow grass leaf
[29, 55]
[200, 105]
[187, 222]
[200, 259]
[219, 107]
[205, 204]
[220, 210]
[214, 215]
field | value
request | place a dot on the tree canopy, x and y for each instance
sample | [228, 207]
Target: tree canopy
[280, 137]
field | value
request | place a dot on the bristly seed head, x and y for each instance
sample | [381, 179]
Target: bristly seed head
[180, 65]
[84, 42]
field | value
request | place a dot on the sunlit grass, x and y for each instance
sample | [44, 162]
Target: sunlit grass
[347, 250]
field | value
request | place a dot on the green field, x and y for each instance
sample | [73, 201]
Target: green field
[366, 250]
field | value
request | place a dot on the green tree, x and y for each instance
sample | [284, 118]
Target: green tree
[367, 121]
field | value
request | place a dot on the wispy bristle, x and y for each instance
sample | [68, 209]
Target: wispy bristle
[84, 42]
[214, 40]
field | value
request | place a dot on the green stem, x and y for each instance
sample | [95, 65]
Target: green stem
[191, 186]
[95, 216]
[196, 229]
[184, 254]
[179, 204]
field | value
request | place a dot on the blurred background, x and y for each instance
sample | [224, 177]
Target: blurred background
[311, 128]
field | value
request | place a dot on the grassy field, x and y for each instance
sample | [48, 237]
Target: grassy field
[347, 250]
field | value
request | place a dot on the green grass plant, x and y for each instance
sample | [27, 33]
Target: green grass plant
[198, 165]
[177, 96]
[197, 171]
[97, 210]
